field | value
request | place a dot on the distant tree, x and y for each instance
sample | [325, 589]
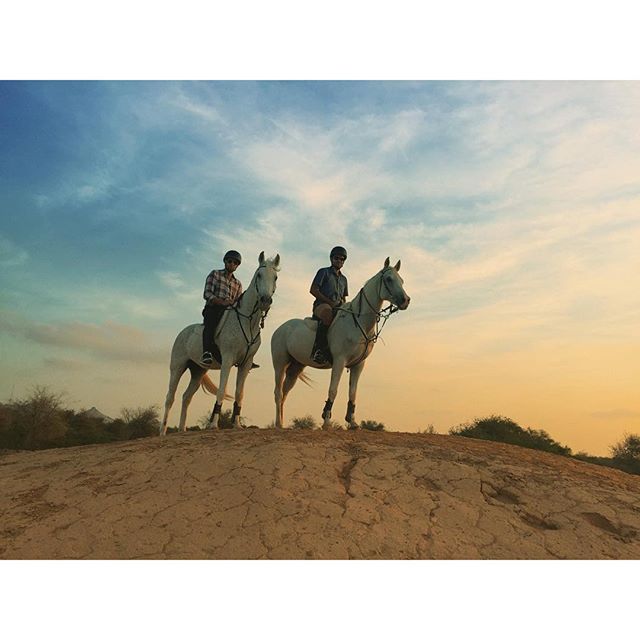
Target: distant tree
[430, 429]
[84, 429]
[306, 422]
[38, 421]
[501, 429]
[140, 422]
[626, 453]
[372, 425]
[10, 437]
[628, 448]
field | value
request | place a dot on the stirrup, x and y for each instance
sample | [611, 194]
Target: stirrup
[319, 357]
[207, 358]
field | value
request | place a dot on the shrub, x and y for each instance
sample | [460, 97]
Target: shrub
[306, 422]
[140, 422]
[501, 429]
[627, 449]
[224, 421]
[372, 425]
[626, 453]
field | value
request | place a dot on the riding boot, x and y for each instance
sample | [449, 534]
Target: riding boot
[321, 353]
[210, 350]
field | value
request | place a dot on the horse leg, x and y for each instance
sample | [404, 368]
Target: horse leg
[196, 377]
[241, 378]
[336, 374]
[174, 378]
[225, 371]
[280, 367]
[354, 376]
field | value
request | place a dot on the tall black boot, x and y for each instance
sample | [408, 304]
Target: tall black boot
[321, 354]
[211, 315]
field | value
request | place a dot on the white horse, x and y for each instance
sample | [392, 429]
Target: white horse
[351, 337]
[237, 335]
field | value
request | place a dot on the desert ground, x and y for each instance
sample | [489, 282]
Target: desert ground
[296, 494]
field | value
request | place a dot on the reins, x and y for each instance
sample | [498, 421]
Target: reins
[236, 307]
[381, 315]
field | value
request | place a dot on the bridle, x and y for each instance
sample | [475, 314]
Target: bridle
[381, 315]
[250, 339]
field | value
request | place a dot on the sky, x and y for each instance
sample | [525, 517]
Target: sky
[514, 207]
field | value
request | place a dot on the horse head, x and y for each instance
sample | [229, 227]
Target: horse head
[266, 277]
[392, 286]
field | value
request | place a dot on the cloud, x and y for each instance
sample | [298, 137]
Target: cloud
[109, 341]
[616, 414]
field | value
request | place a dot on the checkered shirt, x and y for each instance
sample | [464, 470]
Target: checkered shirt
[220, 286]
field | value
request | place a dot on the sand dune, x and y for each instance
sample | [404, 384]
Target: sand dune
[298, 494]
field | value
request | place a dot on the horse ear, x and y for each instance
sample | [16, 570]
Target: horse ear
[261, 258]
[276, 261]
[386, 263]
[397, 267]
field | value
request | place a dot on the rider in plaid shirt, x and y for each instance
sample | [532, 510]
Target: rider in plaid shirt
[221, 290]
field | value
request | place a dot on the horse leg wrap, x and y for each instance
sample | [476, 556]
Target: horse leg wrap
[351, 409]
[326, 412]
[236, 411]
[216, 411]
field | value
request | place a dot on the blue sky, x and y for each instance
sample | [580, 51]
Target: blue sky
[514, 206]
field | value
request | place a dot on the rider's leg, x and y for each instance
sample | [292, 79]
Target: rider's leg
[321, 353]
[211, 314]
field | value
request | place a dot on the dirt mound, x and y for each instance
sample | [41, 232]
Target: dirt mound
[301, 494]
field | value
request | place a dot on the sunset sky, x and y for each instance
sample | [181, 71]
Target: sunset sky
[514, 207]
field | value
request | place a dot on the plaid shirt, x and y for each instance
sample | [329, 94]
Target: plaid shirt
[220, 286]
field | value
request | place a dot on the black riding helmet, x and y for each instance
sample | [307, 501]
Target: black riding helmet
[233, 255]
[338, 251]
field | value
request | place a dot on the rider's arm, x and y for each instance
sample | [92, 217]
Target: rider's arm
[316, 293]
[209, 288]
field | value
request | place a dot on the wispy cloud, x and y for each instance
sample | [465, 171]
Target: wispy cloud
[108, 341]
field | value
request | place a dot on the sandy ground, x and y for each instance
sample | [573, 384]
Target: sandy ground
[300, 494]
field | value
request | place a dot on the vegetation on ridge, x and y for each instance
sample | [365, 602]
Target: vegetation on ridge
[40, 421]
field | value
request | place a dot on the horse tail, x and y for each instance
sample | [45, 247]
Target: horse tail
[207, 385]
[296, 371]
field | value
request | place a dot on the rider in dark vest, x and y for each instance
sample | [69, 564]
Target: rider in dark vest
[330, 290]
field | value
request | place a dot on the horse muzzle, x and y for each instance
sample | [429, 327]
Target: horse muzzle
[404, 304]
[265, 302]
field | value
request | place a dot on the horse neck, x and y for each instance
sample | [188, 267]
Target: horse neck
[248, 302]
[367, 313]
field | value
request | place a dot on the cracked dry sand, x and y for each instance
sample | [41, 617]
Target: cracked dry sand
[298, 494]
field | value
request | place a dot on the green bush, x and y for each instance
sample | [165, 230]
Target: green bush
[501, 429]
[372, 425]
[306, 422]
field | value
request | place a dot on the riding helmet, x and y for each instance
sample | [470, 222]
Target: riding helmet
[338, 251]
[233, 255]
